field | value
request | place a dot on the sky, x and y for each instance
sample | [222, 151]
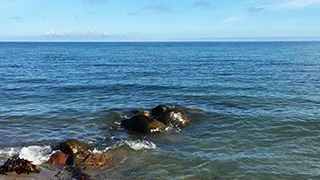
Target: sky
[149, 20]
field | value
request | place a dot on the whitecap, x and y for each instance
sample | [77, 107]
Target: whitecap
[138, 144]
[36, 154]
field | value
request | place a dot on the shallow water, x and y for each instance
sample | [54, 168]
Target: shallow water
[254, 106]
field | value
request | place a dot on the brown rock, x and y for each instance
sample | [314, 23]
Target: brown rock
[58, 158]
[159, 110]
[93, 160]
[73, 147]
[142, 124]
[85, 159]
[142, 112]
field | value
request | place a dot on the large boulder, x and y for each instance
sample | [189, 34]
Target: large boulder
[174, 117]
[158, 111]
[73, 147]
[142, 124]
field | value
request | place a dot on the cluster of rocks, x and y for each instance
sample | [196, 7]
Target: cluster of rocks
[158, 119]
[78, 155]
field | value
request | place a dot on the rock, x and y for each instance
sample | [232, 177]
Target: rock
[158, 111]
[58, 158]
[20, 166]
[93, 160]
[142, 112]
[174, 117]
[85, 159]
[142, 124]
[73, 147]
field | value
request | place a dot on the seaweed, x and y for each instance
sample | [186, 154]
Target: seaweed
[18, 165]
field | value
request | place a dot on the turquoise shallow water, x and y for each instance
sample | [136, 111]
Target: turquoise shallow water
[254, 105]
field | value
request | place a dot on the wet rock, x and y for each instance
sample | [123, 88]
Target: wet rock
[20, 166]
[142, 124]
[84, 159]
[158, 111]
[174, 117]
[73, 147]
[58, 158]
[93, 160]
[142, 112]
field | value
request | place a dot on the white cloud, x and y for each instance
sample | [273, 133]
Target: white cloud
[284, 4]
[232, 19]
[300, 3]
[77, 32]
[54, 33]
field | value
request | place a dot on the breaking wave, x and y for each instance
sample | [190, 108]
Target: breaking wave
[36, 154]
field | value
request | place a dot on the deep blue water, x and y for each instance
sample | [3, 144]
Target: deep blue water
[255, 106]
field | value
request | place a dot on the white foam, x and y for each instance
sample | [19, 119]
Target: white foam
[100, 151]
[138, 144]
[36, 154]
[172, 129]
[156, 130]
[9, 151]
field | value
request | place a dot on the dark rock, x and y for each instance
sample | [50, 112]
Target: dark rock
[158, 111]
[174, 117]
[20, 166]
[142, 124]
[73, 147]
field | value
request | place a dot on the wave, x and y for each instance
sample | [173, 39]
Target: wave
[36, 154]
[135, 145]
[138, 144]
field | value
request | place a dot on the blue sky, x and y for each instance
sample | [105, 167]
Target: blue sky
[158, 19]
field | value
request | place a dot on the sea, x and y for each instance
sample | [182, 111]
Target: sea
[254, 107]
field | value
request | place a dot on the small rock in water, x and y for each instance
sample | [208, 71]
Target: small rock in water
[142, 124]
[20, 166]
[73, 147]
[158, 111]
[174, 117]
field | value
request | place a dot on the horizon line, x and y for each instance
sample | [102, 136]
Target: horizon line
[214, 40]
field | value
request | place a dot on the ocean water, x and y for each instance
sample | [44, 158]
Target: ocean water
[255, 106]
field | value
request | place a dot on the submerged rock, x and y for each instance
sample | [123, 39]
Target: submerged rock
[20, 166]
[73, 147]
[142, 124]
